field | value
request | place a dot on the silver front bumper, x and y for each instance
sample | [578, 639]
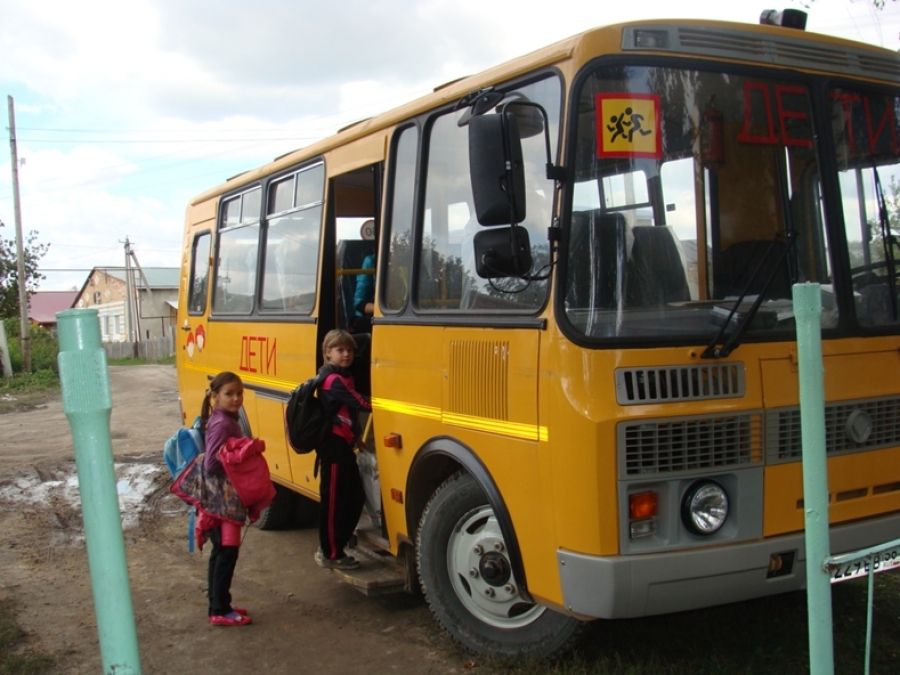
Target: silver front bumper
[660, 583]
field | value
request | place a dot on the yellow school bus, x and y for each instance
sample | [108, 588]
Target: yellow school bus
[582, 360]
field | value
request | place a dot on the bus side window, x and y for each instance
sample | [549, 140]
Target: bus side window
[291, 261]
[199, 274]
[398, 254]
[291, 241]
[448, 215]
[238, 248]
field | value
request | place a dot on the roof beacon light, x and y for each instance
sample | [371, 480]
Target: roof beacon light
[788, 18]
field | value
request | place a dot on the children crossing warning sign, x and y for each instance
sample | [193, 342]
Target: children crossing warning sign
[628, 125]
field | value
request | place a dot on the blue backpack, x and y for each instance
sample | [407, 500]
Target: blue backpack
[180, 450]
[182, 447]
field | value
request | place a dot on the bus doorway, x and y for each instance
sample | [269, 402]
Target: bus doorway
[355, 198]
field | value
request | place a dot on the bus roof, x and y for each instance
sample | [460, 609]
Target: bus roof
[813, 52]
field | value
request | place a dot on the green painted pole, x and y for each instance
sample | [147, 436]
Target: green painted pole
[808, 312]
[87, 404]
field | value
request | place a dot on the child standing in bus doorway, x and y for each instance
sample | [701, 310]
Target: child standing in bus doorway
[222, 513]
[340, 485]
[364, 290]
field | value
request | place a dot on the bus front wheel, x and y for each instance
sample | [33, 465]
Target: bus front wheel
[468, 582]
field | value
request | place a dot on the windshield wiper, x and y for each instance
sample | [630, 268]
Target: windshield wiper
[887, 241]
[713, 350]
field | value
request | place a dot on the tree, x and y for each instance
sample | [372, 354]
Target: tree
[9, 278]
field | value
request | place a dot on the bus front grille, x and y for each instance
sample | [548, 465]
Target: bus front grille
[850, 426]
[689, 444]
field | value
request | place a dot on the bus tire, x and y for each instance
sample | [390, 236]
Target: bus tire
[306, 512]
[459, 540]
[280, 512]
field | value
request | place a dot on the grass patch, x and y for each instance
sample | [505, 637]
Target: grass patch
[15, 657]
[762, 636]
[26, 391]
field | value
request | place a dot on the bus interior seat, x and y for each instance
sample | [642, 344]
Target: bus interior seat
[598, 236]
[656, 274]
[738, 262]
[349, 255]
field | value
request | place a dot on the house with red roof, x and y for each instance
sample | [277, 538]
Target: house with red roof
[43, 306]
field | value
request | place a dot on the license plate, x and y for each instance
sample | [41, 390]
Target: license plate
[881, 562]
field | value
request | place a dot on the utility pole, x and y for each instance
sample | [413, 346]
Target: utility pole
[140, 302]
[20, 247]
[132, 325]
[135, 302]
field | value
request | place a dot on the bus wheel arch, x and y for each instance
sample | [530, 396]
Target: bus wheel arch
[466, 567]
[435, 463]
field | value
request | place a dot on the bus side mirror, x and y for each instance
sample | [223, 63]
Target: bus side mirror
[502, 252]
[495, 166]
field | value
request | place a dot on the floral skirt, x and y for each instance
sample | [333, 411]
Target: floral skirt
[213, 495]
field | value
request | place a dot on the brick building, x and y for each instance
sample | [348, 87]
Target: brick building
[156, 293]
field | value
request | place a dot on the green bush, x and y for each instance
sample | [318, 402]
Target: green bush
[44, 347]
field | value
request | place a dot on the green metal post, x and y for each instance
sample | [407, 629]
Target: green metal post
[87, 404]
[870, 602]
[808, 312]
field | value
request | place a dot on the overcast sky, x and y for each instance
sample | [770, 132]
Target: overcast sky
[125, 110]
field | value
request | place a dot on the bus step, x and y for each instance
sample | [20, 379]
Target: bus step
[379, 573]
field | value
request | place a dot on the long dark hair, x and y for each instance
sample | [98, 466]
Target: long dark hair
[219, 381]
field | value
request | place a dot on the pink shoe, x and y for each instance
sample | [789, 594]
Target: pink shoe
[230, 619]
[240, 610]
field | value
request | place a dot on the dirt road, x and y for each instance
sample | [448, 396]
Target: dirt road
[306, 620]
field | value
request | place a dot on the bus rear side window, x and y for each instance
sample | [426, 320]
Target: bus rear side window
[199, 274]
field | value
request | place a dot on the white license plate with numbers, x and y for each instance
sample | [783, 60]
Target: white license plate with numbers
[882, 561]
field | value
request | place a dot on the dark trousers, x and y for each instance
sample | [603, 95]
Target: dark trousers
[222, 562]
[342, 495]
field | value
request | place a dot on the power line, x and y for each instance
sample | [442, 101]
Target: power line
[42, 270]
[180, 141]
[120, 131]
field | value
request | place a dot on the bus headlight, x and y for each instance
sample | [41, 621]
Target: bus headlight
[704, 508]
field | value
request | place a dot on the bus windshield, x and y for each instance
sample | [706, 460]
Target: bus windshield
[697, 200]
[864, 126]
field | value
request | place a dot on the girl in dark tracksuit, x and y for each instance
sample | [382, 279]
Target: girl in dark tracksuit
[340, 486]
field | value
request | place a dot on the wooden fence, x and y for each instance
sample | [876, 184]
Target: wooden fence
[151, 350]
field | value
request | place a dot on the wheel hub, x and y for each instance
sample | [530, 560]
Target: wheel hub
[494, 568]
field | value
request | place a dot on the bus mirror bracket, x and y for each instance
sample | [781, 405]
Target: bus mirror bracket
[502, 252]
[497, 172]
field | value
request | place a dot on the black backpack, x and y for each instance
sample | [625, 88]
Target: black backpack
[305, 420]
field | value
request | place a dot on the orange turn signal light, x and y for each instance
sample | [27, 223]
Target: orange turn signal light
[397, 495]
[393, 440]
[642, 505]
